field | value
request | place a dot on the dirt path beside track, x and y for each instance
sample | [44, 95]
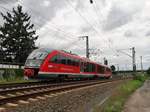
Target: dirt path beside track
[140, 100]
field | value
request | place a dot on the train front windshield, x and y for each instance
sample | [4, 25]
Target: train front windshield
[36, 58]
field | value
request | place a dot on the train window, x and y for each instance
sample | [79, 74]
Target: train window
[73, 62]
[38, 54]
[93, 68]
[107, 69]
[101, 69]
[54, 59]
[63, 59]
[77, 62]
[68, 61]
[84, 66]
[90, 67]
[81, 66]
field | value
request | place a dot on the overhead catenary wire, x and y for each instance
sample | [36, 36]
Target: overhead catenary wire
[85, 20]
[32, 9]
[56, 30]
[59, 30]
[51, 24]
[73, 43]
[96, 11]
[5, 8]
[12, 12]
[4, 1]
[78, 12]
[97, 32]
[94, 3]
[69, 44]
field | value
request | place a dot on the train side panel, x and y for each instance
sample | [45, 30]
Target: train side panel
[60, 64]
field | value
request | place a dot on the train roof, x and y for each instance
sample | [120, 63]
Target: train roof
[45, 49]
[69, 54]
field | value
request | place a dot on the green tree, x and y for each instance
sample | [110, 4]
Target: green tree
[1, 55]
[17, 35]
[148, 71]
[113, 68]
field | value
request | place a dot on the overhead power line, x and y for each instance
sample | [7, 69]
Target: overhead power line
[86, 20]
[12, 12]
[58, 30]
[54, 29]
[78, 12]
[5, 9]
[94, 3]
[51, 24]
[96, 11]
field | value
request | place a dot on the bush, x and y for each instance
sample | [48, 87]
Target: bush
[11, 74]
[19, 72]
[148, 71]
[140, 77]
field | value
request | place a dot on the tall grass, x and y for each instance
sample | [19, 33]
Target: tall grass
[116, 102]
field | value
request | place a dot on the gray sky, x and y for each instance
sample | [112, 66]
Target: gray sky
[110, 25]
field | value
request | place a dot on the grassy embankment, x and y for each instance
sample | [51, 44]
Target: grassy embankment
[116, 102]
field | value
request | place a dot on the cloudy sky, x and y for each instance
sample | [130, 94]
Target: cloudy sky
[113, 27]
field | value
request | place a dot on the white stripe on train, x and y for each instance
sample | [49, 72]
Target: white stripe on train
[72, 73]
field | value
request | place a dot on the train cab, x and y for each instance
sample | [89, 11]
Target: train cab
[34, 61]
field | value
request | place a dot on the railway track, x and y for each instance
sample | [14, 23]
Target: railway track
[35, 83]
[14, 95]
[23, 84]
[28, 84]
[32, 84]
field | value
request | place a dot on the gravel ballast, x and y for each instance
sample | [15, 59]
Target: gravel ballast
[79, 100]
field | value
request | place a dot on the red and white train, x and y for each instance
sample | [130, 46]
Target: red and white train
[47, 64]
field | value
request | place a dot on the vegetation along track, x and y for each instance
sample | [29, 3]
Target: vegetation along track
[16, 94]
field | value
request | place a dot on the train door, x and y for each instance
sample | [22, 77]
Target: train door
[53, 65]
[81, 66]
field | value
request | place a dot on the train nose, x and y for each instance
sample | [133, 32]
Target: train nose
[29, 72]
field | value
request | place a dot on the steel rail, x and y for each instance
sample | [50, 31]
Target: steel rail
[43, 91]
[51, 85]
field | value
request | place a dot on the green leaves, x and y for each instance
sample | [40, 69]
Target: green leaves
[17, 35]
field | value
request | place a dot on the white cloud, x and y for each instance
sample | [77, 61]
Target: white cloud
[119, 24]
[121, 12]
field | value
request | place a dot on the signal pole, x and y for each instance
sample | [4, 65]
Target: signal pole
[105, 61]
[131, 56]
[118, 68]
[141, 64]
[87, 45]
[133, 59]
